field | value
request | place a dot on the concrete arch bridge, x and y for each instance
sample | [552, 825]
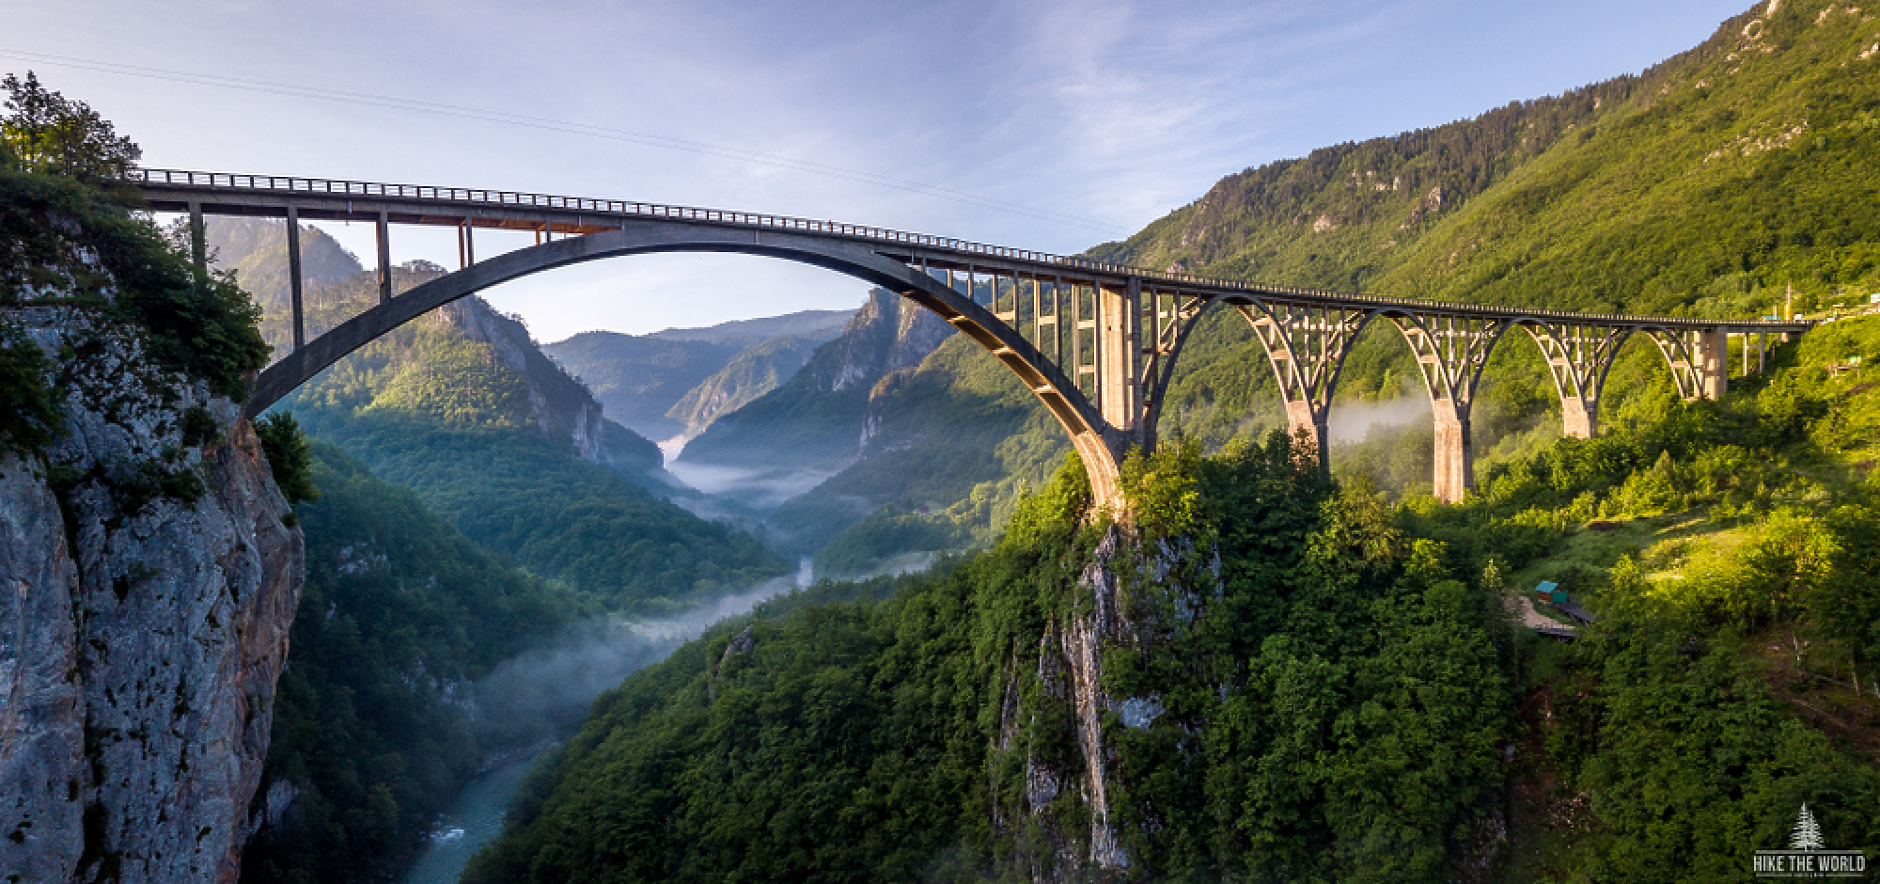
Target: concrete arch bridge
[1096, 342]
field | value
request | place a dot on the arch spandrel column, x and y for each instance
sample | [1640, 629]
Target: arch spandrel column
[1698, 359]
[1578, 356]
[1306, 344]
[1450, 351]
[1169, 316]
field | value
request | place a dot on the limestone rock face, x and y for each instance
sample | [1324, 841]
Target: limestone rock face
[42, 720]
[1085, 845]
[1070, 670]
[149, 573]
[888, 334]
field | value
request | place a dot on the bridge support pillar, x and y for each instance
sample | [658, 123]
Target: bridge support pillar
[1581, 417]
[1578, 356]
[198, 241]
[1308, 422]
[1306, 343]
[1712, 362]
[1450, 350]
[293, 276]
[1455, 455]
[1119, 362]
[385, 259]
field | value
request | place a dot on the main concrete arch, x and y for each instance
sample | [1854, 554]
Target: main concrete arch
[1100, 451]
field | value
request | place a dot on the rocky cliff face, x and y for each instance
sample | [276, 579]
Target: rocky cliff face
[561, 406]
[1070, 671]
[1070, 656]
[149, 572]
[888, 334]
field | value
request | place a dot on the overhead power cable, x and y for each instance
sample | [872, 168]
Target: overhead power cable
[553, 125]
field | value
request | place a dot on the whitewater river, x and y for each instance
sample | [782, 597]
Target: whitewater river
[594, 659]
[475, 820]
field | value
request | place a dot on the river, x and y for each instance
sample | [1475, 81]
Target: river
[473, 821]
[605, 653]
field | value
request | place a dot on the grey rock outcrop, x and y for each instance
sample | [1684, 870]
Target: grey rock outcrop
[888, 334]
[1070, 673]
[149, 573]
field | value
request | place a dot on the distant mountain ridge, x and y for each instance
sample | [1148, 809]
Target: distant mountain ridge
[746, 332]
[817, 419]
[639, 378]
[677, 381]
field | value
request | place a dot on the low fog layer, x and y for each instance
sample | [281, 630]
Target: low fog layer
[1352, 422]
[762, 488]
[543, 694]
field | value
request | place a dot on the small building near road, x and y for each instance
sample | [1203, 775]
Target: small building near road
[1550, 592]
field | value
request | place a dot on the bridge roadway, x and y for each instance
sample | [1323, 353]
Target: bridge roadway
[1096, 342]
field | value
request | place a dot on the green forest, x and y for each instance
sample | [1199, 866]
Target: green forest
[1313, 685]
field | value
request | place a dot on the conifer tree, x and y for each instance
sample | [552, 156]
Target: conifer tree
[1807, 835]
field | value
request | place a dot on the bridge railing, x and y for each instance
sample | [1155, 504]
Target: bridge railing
[332, 187]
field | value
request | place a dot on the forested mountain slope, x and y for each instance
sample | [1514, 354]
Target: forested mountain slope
[817, 422]
[1713, 184]
[1746, 155]
[637, 379]
[756, 370]
[439, 410]
[255, 249]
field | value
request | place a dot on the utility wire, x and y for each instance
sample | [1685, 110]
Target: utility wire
[553, 125]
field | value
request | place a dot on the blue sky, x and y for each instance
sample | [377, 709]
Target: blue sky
[1045, 125]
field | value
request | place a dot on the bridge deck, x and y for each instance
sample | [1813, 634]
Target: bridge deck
[337, 200]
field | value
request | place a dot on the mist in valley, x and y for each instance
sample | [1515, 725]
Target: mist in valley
[1356, 421]
[542, 694]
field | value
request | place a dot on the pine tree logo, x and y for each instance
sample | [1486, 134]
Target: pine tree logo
[1807, 834]
[1808, 855]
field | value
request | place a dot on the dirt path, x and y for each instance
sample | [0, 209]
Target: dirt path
[1531, 618]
